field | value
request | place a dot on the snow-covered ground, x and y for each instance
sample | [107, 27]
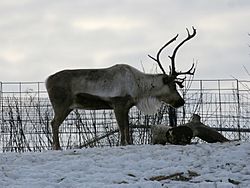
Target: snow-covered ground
[145, 166]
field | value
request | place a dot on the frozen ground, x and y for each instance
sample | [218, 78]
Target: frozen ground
[145, 166]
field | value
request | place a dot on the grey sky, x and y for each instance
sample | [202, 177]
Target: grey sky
[40, 37]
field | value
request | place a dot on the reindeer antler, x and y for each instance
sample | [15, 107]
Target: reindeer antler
[173, 72]
[157, 59]
[191, 71]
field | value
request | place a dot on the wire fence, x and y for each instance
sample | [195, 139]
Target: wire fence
[26, 114]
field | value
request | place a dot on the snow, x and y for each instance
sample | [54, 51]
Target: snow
[146, 166]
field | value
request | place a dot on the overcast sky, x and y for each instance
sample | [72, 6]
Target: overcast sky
[41, 37]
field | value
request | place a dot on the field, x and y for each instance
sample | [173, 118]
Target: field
[146, 166]
[25, 126]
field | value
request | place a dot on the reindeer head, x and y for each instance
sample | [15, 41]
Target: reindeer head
[172, 79]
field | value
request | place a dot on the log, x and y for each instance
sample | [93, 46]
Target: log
[204, 132]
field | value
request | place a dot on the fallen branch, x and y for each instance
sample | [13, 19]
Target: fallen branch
[183, 134]
[96, 139]
[179, 176]
[204, 132]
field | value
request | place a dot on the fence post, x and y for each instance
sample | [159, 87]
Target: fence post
[1, 98]
[1, 122]
[220, 105]
[20, 100]
[238, 107]
[201, 96]
[172, 115]
[1, 105]
[1, 101]
[38, 102]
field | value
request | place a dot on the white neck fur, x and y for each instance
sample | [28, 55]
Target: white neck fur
[148, 105]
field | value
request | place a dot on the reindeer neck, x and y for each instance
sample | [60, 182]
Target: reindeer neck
[149, 84]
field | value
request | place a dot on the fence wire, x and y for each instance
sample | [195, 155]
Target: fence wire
[26, 114]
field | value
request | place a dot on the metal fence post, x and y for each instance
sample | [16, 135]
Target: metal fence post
[201, 96]
[1, 108]
[238, 108]
[2, 118]
[220, 105]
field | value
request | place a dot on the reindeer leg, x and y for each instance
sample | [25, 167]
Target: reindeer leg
[55, 123]
[121, 114]
[127, 131]
[126, 128]
[55, 132]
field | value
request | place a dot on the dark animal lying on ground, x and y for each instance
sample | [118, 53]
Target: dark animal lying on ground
[183, 134]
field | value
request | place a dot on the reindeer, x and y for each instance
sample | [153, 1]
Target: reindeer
[119, 87]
